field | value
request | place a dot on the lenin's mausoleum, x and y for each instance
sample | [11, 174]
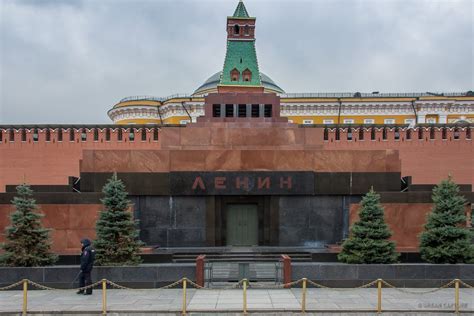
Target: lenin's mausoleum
[240, 162]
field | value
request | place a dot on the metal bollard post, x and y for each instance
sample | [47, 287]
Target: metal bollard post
[245, 297]
[104, 297]
[25, 297]
[184, 296]
[379, 295]
[303, 299]
[456, 296]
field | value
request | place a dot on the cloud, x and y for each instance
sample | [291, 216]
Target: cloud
[70, 61]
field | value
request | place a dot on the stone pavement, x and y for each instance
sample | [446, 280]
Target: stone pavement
[230, 300]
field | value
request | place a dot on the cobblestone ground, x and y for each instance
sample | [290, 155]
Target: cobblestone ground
[263, 300]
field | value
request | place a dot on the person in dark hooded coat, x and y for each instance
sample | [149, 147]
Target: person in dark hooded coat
[87, 263]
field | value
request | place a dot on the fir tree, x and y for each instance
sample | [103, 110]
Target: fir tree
[117, 237]
[368, 242]
[27, 242]
[444, 239]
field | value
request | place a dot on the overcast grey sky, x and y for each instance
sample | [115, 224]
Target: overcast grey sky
[70, 61]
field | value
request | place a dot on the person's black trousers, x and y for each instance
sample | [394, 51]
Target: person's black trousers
[85, 280]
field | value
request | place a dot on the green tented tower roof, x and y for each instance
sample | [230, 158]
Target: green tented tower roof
[241, 11]
[241, 54]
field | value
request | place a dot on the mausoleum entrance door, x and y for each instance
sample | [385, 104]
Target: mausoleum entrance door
[242, 225]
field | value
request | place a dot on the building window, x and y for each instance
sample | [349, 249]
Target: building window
[246, 30]
[242, 110]
[361, 134]
[349, 134]
[326, 134]
[396, 134]
[23, 135]
[307, 122]
[143, 134]
[96, 134]
[389, 121]
[234, 75]
[372, 134]
[236, 29]
[328, 121]
[35, 135]
[267, 110]
[131, 135]
[408, 134]
[71, 135]
[444, 133]
[410, 121]
[431, 120]
[155, 134]
[48, 135]
[120, 135]
[369, 121]
[255, 110]
[216, 110]
[432, 133]
[107, 134]
[348, 121]
[229, 110]
[247, 75]
[11, 137]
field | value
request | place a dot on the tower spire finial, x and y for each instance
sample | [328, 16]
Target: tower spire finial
[241, 11]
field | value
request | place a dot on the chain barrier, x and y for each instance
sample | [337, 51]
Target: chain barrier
[342, 289]
[11, 286]
[403, 290]
[244, 285]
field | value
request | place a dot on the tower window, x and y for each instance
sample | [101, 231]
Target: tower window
[234, 75]
[242, 110]
[236, 29]
[247, 75]
[246, 30]
[216, 110]
[267, 110]
[229, 110]
[255, 110]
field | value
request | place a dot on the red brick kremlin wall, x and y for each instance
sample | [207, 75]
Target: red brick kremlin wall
[426, 160]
